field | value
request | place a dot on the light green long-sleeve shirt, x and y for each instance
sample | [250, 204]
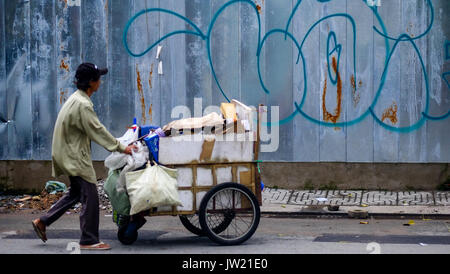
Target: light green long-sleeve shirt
[77, 124]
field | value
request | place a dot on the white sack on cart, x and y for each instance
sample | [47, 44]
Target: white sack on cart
[155, 186]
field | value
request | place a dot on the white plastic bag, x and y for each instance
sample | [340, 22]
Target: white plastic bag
[155, 186]
[134, 161]
[118, 160]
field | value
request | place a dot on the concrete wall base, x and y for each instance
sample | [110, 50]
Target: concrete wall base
[363, 176]
[31, 176]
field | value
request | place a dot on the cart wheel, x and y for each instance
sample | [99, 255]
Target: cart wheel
[191, 223]
[127, 236]
[229, 214]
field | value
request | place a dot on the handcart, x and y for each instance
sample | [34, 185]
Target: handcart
[219, 185]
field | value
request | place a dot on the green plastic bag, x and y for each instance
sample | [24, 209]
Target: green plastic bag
[52, 187]
[119, 201]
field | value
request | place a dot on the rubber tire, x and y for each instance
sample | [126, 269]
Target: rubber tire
[192, 228]
[124, 239]
[198, 230]
[210, 233]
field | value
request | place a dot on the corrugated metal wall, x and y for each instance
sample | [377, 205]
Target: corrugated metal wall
[360, 92]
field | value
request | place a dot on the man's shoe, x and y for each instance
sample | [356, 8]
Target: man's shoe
[39, 228]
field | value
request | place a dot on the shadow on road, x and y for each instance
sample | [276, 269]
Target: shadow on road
[146, 238]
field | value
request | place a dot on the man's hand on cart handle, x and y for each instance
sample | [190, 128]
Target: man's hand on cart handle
[130, 148]
[140, 139]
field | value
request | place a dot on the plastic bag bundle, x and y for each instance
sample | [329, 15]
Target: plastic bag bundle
[118, 160]
[154, 186]
[119, 201]
[129, 163]
[134, 161]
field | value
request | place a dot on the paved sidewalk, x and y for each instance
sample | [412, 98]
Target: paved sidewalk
[377, 203]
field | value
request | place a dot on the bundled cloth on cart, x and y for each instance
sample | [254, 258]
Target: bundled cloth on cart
[235, 117]
[126, 162]
[188, 125]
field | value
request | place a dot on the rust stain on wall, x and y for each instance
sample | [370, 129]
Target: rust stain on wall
[150, 113]
[64, 66]
[62, 96]
[391, 113]
[327, 116]
[151, 77]
[409, 29]
[258, 7]
[356, 96]
[141, 94]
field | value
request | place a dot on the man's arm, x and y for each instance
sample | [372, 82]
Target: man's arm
[97, 132]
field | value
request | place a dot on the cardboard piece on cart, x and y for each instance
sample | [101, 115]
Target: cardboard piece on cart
[244, 113]
[229, 112]
[239, 127]
[233, 127]
[207, 149]
[245, 178]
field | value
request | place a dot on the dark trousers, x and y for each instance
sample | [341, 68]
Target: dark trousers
[86, 193]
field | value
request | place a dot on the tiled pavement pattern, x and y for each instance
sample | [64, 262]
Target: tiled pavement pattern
[355, 197]
[380, 198]
[415, 198]
[276, 196]
[442, 198]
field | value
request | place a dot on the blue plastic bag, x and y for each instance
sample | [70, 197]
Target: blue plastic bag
[152, 142]
[52, 187]
[146, 130]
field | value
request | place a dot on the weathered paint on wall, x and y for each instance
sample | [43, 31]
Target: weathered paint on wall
[354, 83]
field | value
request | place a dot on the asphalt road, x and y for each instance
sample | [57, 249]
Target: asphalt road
[162, 235]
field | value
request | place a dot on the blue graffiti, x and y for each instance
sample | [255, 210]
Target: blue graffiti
[337, 48]
[333, 47]
[197, 32]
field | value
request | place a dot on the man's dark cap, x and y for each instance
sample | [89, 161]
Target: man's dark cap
[89, 72]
